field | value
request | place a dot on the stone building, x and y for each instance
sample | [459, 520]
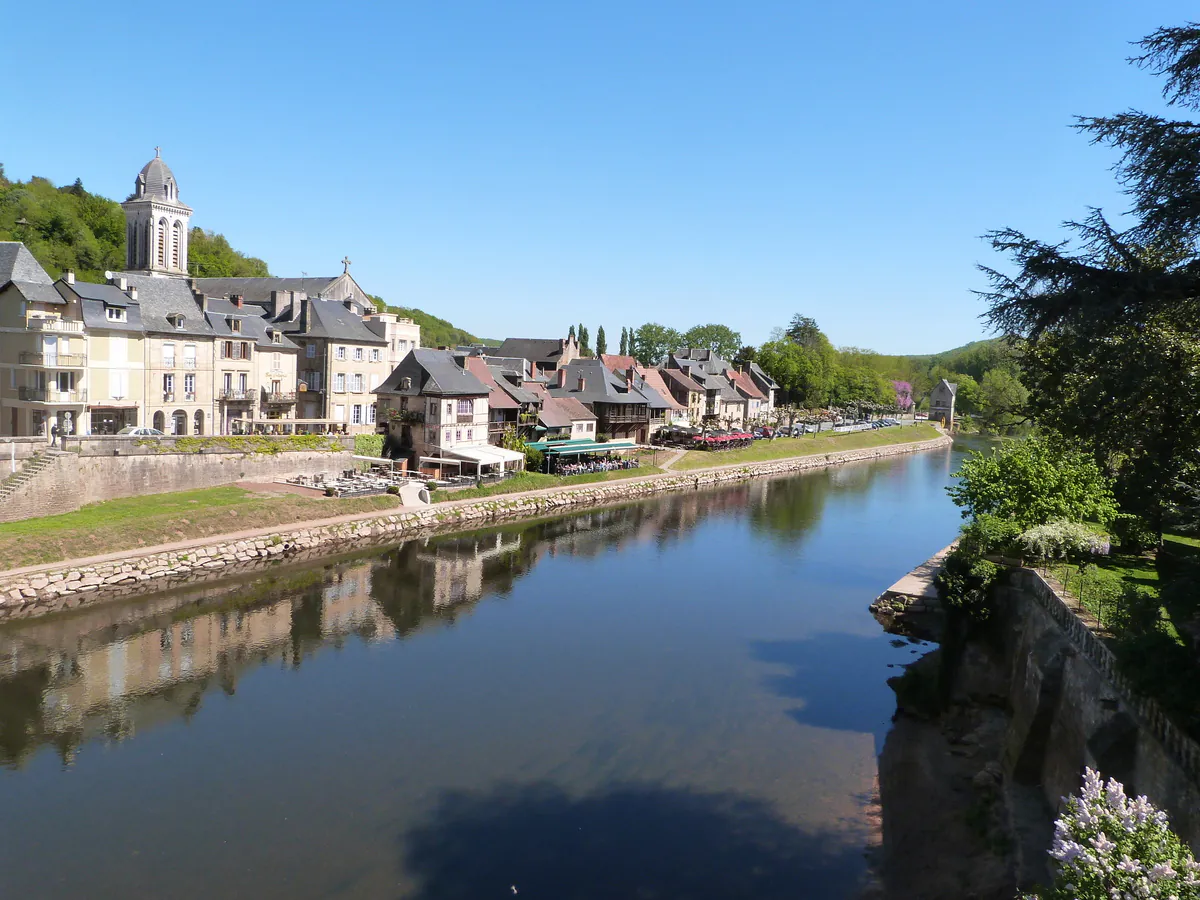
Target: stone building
[941, 402]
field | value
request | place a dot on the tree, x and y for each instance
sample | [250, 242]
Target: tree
[804, 332]
[1032, 482]
[860, 384]
[745, 355]
[624, 340]
[571, 332]
[1002, 400]
[1105, 323]
[802, 374]
[601, 342]
[720, 339]
[652, 342]
[583, 341]
[210, 256]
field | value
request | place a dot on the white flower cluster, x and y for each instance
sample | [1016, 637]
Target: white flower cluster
[1108, 847]
[1060, 538]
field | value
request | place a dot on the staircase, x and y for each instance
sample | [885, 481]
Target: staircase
[29, 470]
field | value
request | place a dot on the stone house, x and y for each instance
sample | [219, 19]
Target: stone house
[545, 356]
[941, 403]
[687, 392]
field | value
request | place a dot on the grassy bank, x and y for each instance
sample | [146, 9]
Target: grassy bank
[164, 518]
[783, 448]
[534, 481]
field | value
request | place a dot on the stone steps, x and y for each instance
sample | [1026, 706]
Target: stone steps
[29, 470]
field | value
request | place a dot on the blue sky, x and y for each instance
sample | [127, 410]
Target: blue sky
[516, 167]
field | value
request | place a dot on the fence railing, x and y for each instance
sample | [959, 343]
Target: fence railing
[1182, 748]
[54, 360]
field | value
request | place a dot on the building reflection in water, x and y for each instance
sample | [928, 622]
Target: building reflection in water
[120, 668]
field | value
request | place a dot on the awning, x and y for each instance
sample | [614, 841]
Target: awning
[576, 449]
[488, 456]
[551, 445]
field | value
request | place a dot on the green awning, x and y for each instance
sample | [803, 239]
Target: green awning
[576, 448]
[551, 445]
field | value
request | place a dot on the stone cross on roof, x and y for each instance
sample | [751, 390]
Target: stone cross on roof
[158, 152]
[345, 264]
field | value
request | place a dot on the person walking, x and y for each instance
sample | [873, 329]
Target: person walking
[53, 434]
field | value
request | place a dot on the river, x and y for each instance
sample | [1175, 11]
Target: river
[682, 698]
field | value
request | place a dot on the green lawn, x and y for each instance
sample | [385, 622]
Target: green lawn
[810, 445]
[164, 518]
[534, 481]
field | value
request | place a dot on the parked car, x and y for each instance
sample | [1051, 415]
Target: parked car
[137, 431]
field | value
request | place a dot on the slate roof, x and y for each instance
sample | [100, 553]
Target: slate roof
[331, 320]
[151, 183]
[762, 378]
[254, 326]
[19, 268]
[953, 386]
[602, 386]
[160, 297]
[701, 357]
[94, 297]
[258, 290]
[654, 380]
[498, 398]
[432, 372]
[536, 350]
[518, 392]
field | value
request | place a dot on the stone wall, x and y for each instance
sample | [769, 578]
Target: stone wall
[1071, 708]
[71, 480]
[43, 589]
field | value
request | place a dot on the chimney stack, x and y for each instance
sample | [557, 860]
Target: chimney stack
[629, 379]
[133, 293]
[562, 378]
[69, 278]
[582, 382]
[237, 300]
[123, 283]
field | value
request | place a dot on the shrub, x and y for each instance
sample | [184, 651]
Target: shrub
[1063, 540]
[368, 445]
[1133, 533]
[330, 492]
[393, 489]
[534, 459]
[431, 486]
[965, 582]
[1106, 845]
[991, 534]
[1137, 612]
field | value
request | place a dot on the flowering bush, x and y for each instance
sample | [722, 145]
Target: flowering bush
[1107, 846]
[1061, 539]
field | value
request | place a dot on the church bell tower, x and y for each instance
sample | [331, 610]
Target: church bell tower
[156, 222]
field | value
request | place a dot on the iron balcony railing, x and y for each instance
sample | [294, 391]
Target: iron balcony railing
[235, 396]
[54, 360]
[51, 395]
[279, 397]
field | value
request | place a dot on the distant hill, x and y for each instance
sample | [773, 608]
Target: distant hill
[972, 359]
[435, 332]
[72, 228]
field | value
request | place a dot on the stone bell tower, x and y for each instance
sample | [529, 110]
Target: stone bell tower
[156, 222]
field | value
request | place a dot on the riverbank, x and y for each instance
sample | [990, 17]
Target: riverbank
[41, 589]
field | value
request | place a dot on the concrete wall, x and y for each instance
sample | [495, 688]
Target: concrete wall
[1071, 708]
[72, 480]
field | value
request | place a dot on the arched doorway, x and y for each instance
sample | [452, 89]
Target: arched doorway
[179, 422]
[199, 428]
[159, 421]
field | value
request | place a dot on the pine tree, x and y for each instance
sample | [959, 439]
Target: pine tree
[571, 333]
[601, 342]
[624, 341]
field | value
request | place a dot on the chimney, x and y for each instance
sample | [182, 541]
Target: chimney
[69, 278]
[629, 379]
[133, 293]
[562, 378]
[582, 383]
[122, 283]
[237, 300]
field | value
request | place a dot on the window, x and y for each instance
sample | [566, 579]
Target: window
[175, 321]
[468, 434]
[449, 409]
[276, 364]
[339, 353]
[276, 337]
[358, 354]
[189, 386]
[311, 351]
[227, 382]
[356, 414]
[118, 384]
[169, 384]
[114, 314]
[371, 414]
[65, 381]
[243, 384]
[339, 382]
[375, 381]
[458, 434]
[358, 383]
[466, 407]
[339, 412]
[447, 435]
[245, 350]
[235, 325]
[591, 426]
[189, 356]
[168, 356]
[376, 354]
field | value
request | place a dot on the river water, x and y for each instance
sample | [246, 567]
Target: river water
[682, 698]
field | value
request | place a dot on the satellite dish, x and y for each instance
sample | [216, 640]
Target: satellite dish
[107, 276]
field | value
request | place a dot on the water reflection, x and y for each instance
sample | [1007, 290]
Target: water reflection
[113, 671]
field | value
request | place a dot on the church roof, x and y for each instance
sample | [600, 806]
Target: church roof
[156, 181]
[258, 290]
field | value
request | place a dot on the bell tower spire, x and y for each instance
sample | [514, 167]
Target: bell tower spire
[156, 222]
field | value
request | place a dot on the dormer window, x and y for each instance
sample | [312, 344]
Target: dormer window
[235, 325]
[276, 337]
[114, 314]
[175, 320]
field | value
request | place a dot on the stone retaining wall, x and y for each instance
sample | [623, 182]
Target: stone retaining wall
[60, 586]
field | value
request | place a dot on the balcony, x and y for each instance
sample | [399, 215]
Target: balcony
[235, 396]
[279, 398]
[51, 324]
[54, 360]
[51, 395]
[635, 413]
